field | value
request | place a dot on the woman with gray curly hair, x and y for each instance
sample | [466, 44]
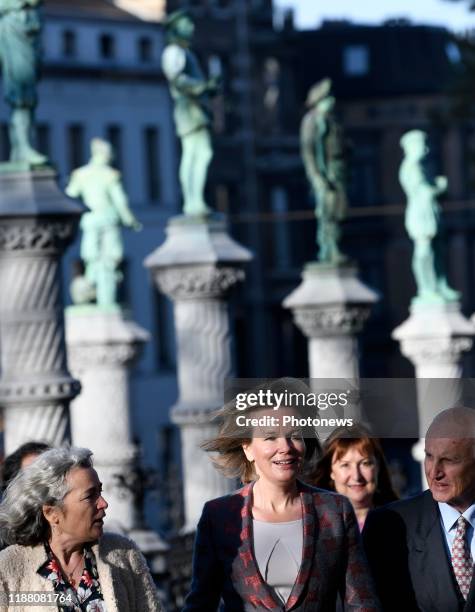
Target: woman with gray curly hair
[52, 517]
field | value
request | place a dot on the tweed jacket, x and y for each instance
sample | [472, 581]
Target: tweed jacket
[125, 581]
[225, 567]
[409, 559]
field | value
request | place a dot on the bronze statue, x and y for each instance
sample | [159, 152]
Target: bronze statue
[423, 222]
[323, 154]
[190, 90]
[100, 187]
[19, 57]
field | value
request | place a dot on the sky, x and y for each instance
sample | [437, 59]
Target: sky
[453, 15]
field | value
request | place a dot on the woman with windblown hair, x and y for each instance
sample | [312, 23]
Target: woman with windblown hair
[276, 543]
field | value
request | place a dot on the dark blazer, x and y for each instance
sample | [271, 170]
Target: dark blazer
[224, 565]
[406, 550]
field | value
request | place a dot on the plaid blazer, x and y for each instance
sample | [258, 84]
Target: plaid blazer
[225, 568]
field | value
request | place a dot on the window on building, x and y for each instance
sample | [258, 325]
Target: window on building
[271, 78]
[4, 142]
[365, 171]
[215, 66]
[356, 60]
[289, 344]
[107, 46]
[165, 332]
[69, 43]
[152, 162]
[145, 49]
[281, 247]
[215, 69]
[453, 53]
[114, 136]
[271, 95]
[75, 139]
[43, 138]
[434, 162]
[468, 139]
[222, 198]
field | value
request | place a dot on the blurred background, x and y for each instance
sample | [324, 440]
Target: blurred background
[395, 65]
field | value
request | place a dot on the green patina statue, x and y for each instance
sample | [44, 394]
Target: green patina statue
[323, 154]
[190, 91]
[19, 57]
[423, 221]
[99, 186]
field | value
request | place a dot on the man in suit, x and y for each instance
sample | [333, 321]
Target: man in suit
[421, 550]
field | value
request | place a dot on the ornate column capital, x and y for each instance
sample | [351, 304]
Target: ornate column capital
[435, 335]
[198, 282]
[330, 301]
[334, 320]
[84, 356]
[195, 415]
[101, 339]
[442, 350]
[37, 235]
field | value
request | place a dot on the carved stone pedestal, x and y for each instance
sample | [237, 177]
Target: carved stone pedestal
[330, 307]
[434, 338]
[102, 346]
[37, 223]
[196, 267]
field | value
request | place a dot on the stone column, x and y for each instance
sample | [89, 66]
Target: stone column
[37, 223]
[330, 307]
[102, 345]
[196, 267]
[434, 338]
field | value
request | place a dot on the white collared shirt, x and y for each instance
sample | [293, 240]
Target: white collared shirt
[448, 520]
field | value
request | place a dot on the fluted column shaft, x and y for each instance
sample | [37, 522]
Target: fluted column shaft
[102, 347]
[35, 386]
[434, 338]
[204, 363]
[196, 267]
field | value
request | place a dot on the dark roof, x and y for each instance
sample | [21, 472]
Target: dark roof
[403, 59]
[98, 9]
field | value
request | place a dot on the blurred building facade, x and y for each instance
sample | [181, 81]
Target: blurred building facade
[387, 79]
[102, 77]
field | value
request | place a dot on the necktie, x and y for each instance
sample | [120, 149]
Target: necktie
[462, 561]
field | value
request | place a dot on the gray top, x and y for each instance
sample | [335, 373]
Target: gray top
[278, 551]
